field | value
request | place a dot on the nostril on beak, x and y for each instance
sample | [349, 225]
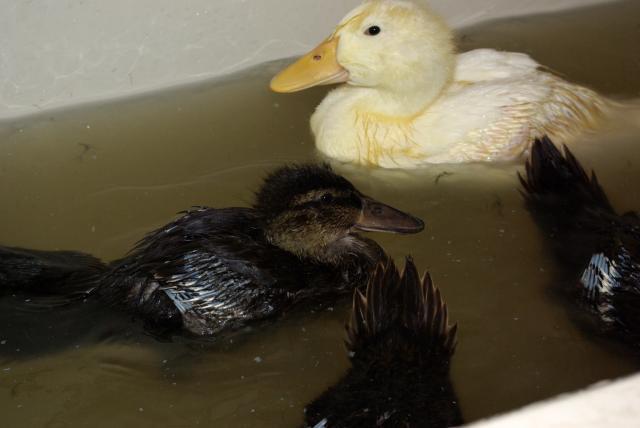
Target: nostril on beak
[317, 57]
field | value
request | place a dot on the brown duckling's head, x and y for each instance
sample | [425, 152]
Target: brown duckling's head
[315, 213]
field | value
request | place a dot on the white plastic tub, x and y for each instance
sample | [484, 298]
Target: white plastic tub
[56, 53]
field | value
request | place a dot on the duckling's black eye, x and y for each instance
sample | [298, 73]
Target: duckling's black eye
[326, 198]
[374, 30]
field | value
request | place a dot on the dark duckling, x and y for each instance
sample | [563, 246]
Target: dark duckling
[599, 248]
[219, 269]
[400, 345]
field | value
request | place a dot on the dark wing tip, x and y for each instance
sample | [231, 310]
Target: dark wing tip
[433, 317]
[552, 177]
[369, 308]
[395, 301]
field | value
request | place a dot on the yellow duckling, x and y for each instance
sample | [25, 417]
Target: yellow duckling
[409, 100]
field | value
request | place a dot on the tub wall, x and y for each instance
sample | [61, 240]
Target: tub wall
[61, 52]
[607, 404]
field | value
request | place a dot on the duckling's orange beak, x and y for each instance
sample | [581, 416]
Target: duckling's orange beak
[318, 67]
[378, 217]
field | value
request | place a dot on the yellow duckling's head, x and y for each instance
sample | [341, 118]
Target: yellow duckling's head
[395, 46]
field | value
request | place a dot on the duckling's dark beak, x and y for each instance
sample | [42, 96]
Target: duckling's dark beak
[378, 217]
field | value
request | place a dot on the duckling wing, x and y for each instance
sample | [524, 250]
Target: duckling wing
[611, 282]
[211, 265]
[502, 101]
[483, 121]
[213, 292]
[611, 277]
[485, 65]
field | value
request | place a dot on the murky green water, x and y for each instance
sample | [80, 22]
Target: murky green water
[97, 178]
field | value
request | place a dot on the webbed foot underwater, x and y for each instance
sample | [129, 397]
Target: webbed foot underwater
[598, 247]
[213, 270]
[400, 345]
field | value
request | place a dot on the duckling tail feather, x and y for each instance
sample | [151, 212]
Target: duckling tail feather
[400, 310]
[559, 183]
[401, 345]
[48, 272]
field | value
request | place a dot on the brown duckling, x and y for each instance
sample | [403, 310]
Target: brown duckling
[400, 344]
[213, 270]
[599, 249]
